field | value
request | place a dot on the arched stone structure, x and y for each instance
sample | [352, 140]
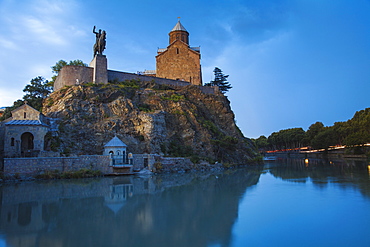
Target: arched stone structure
[117, 151]
[25, 132]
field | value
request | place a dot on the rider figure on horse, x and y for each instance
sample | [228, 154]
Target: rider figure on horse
[99, 45]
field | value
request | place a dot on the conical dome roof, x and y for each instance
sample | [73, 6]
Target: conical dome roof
[115, 142]
[178, 27]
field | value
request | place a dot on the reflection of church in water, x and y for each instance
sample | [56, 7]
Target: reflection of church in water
[33, 210]
[146, 211]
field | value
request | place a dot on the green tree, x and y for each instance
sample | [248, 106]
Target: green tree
[220, 81]
[325, 138]
[313, 131]
[60, 64]
[358, 130]
[36, 92]
[8, 110]
[261, 143]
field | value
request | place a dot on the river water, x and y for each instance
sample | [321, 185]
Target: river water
[281, 203]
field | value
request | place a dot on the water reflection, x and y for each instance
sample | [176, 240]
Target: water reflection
[173, 210]
[321, 172]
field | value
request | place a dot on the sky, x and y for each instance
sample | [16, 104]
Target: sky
[291, 63]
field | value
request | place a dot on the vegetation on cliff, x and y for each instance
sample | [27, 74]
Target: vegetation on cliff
[149, 118]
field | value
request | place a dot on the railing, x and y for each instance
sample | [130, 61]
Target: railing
[146, 72]
[161, 49]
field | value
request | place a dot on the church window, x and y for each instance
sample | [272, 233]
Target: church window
[25, 114]
[12, 142]
[177, 50]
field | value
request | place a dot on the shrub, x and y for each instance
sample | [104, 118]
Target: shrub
[158, 166]
[144, 108]
[174, 97]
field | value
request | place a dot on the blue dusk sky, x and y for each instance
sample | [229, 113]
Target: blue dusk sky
[290, 62]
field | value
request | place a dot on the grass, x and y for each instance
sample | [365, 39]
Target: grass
[56, 174]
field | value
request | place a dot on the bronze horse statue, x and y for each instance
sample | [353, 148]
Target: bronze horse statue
[100, 42]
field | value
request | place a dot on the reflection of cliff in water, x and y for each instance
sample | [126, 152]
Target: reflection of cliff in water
[322, 172]
[176, 210]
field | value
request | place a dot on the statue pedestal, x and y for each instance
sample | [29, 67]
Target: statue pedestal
[100, 65]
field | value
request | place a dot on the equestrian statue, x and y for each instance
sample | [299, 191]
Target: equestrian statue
[100, 42]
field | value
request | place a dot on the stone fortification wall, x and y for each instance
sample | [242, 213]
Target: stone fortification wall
[69, 75]
[32, 166]
[122, 76]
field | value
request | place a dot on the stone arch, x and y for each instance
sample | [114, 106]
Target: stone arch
[27, 141]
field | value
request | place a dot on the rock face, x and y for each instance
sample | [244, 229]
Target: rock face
[149, 118]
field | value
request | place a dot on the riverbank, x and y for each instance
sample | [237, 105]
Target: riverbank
[158, 168]
[318, 155]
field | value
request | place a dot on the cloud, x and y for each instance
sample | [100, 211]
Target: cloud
[7, 44]
[40, 22]
[41, 31]
[35, 34]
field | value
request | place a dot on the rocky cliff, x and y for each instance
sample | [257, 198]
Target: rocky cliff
[149, 118]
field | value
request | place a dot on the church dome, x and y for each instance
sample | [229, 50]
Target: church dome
[178, 27]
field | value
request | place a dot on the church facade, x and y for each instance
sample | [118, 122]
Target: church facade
[179, 61]
[24, 133]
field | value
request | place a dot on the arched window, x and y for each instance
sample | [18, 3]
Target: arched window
[177, 50]
[25, 114]
[12, 142]
[118, 152]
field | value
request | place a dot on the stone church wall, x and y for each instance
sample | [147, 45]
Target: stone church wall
[179, 62]
[14, 131]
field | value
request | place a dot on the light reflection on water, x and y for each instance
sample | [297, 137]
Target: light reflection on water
[284, 203]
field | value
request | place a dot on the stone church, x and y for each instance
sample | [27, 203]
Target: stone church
[179, 61]
[23, 134]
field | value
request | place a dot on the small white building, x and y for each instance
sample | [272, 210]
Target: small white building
[117, 151]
